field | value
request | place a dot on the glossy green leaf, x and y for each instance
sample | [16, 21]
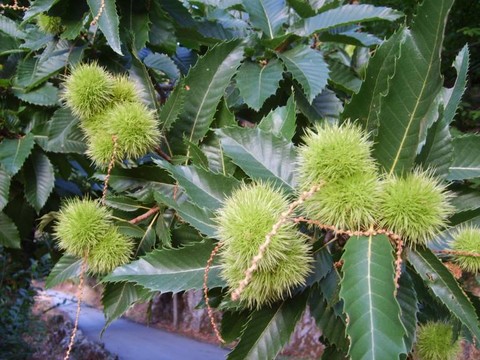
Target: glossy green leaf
[14, 152]
[332, 326]
[407, 298]
[136, 24]
[173, 106]
[130, 230]
[345, 15]
[171, 270]
[233, 323]
[68, 267]
[122, 202]
[269, 330]
[351, 37]
[200, 218]
[365, 105]
[308, 67]
[10, 27]
[197, 157]
[108, 22]
[325, 106]
[45, 95]
[466, 158]
[162, 30]
[32, 72]
[163, 63]
[204, 188]
[63, 134]
[367, 289]
[117, 298]
[302, 7]
[9, 236]
[147, 242]
[5, 180]
[437, 153]
[267, 15]
[466, 200]
[148, 177]
[139, 74]
[453, 95]
[261, 155]
[281, 121]
[442, 283]
[38, 7]
[206, 83]
[257, 83]
[344, 78]
[218, 161]
[412, 89]
[39, 180]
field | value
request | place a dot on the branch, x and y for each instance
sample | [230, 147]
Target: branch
[144, 216]
[162, 153]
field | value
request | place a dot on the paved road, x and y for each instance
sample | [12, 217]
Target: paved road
[132, 341]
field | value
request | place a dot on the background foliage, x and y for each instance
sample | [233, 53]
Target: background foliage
[234, 84]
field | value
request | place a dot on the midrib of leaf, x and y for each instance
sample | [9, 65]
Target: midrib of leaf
[270, 29]
[205, 96]
[260, 79]
[470, 168]
[370, 301]
[224, 170]
[377, 82]
[146, 232]
[441, 278]
[17, 151]
[303, 73]
[249, 152]
[266, 327]
[412, 116]
[167, 271]
[177, 102]
[117, 303]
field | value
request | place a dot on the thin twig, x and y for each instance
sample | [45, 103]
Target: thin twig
[79, 305]
[163, 154]
[109, 170]
[268, 239]
[144, 216]
[205, 293]
[100, 12]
